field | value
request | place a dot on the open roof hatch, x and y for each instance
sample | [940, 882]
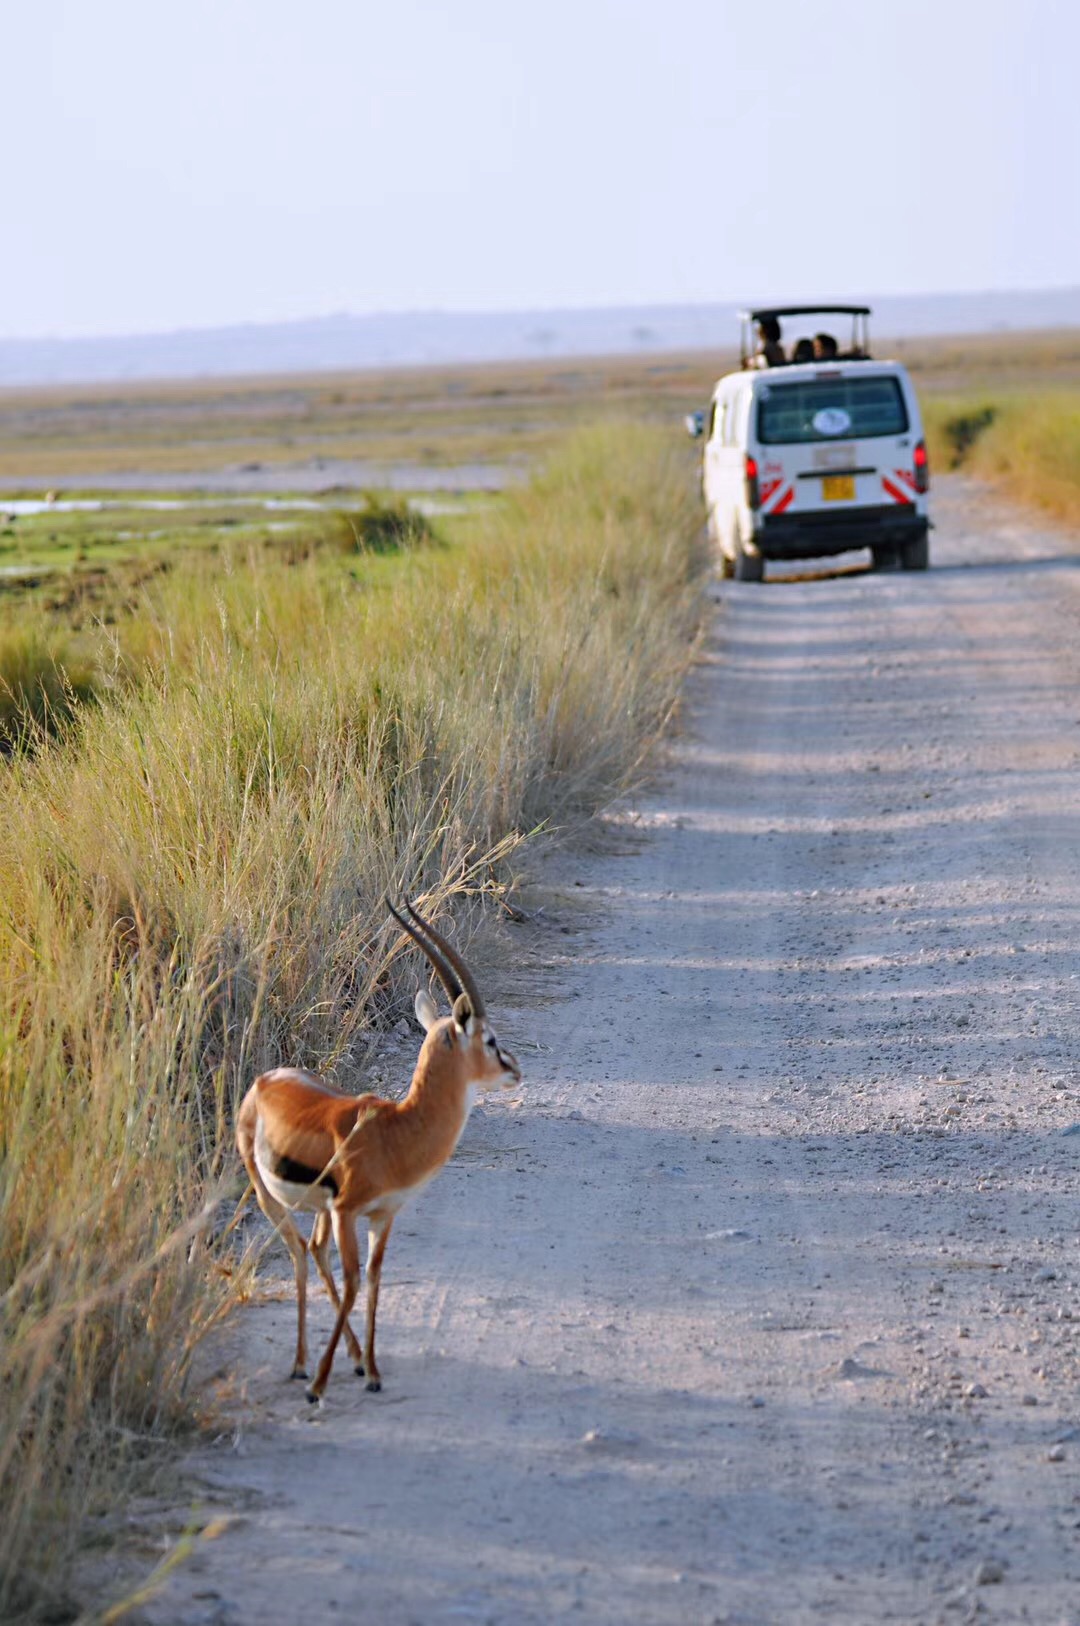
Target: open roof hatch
[859, 349]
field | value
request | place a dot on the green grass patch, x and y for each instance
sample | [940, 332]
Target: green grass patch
[383, 525]
[81, 607]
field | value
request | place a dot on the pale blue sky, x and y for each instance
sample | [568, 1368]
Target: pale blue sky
[174, 163]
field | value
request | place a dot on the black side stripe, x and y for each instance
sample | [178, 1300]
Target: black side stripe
[298, 1174]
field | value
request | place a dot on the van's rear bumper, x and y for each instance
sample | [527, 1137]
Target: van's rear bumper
[814, 534]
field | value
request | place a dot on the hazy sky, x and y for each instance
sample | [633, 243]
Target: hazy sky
[174, 163]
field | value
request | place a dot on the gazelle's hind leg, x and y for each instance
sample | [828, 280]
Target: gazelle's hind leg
[320, 1252]
[286, 1226]
[280, 1219]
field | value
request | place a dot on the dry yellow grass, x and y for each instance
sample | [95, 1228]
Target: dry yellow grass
[192, 889]
[1027, 445]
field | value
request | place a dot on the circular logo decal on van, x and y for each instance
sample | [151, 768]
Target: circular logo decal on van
[831, 421]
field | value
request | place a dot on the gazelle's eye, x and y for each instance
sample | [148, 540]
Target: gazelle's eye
[492, 1043]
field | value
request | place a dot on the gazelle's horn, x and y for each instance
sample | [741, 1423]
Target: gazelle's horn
[468, 982]
[442, 965]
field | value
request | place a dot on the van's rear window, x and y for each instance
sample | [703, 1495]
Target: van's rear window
[830, 409]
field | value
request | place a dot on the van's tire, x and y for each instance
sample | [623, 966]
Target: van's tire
[749, 567]
[883, 558]
[916, 555]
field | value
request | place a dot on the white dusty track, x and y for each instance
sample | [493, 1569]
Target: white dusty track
[759, 1306]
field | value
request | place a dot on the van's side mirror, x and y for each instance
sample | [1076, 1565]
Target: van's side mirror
[695, 424]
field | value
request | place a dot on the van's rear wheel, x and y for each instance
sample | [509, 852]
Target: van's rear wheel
[916, 555]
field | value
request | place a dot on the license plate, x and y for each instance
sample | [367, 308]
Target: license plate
[838, 488]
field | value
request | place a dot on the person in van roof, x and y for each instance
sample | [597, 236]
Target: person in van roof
[825, 347]
[803, 351]
[770, 351]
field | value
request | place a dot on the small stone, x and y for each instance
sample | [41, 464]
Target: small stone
[849, 1367]
[1029, 1400]
[1056, 1453]
[612, 1442]
[936, 1287]
[756, 1402]
[989, 1573]
[975, 1391]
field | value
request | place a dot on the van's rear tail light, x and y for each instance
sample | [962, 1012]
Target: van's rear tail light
[922, 468]
[753, 495]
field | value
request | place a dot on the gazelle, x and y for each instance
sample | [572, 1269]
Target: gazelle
[307, 1145]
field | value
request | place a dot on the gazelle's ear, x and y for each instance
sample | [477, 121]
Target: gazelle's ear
[427, 1013]
[463, 1012]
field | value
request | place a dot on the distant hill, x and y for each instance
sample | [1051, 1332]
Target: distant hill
[430, 338]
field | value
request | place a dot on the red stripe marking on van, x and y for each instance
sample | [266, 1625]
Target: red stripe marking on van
[767, 488]
[785, 501]
[907, 477]
[895, 493]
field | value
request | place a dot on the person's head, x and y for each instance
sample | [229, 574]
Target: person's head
[825, 347]
[803, 351]
[769, 330]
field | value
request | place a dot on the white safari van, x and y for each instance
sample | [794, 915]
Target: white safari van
[811, 457]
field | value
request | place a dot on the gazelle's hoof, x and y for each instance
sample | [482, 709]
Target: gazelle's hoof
[312, 1398]
[360, 1369]
[373, 1386]
[297, 1372]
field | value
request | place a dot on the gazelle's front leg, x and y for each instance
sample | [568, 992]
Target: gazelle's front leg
[378, 1236]
[345, 1236]
[320, 1252]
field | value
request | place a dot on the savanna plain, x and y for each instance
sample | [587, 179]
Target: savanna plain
[756, 1302]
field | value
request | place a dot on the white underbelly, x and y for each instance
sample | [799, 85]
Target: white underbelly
[308, 1198]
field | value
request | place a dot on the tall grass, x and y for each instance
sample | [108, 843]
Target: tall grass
[191, 889]
[44, 676]
[1029, 446]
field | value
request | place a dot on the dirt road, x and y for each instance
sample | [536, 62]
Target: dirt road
[760, 1305]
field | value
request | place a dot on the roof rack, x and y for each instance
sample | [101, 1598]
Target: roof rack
[860, 326]
[759, 312]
